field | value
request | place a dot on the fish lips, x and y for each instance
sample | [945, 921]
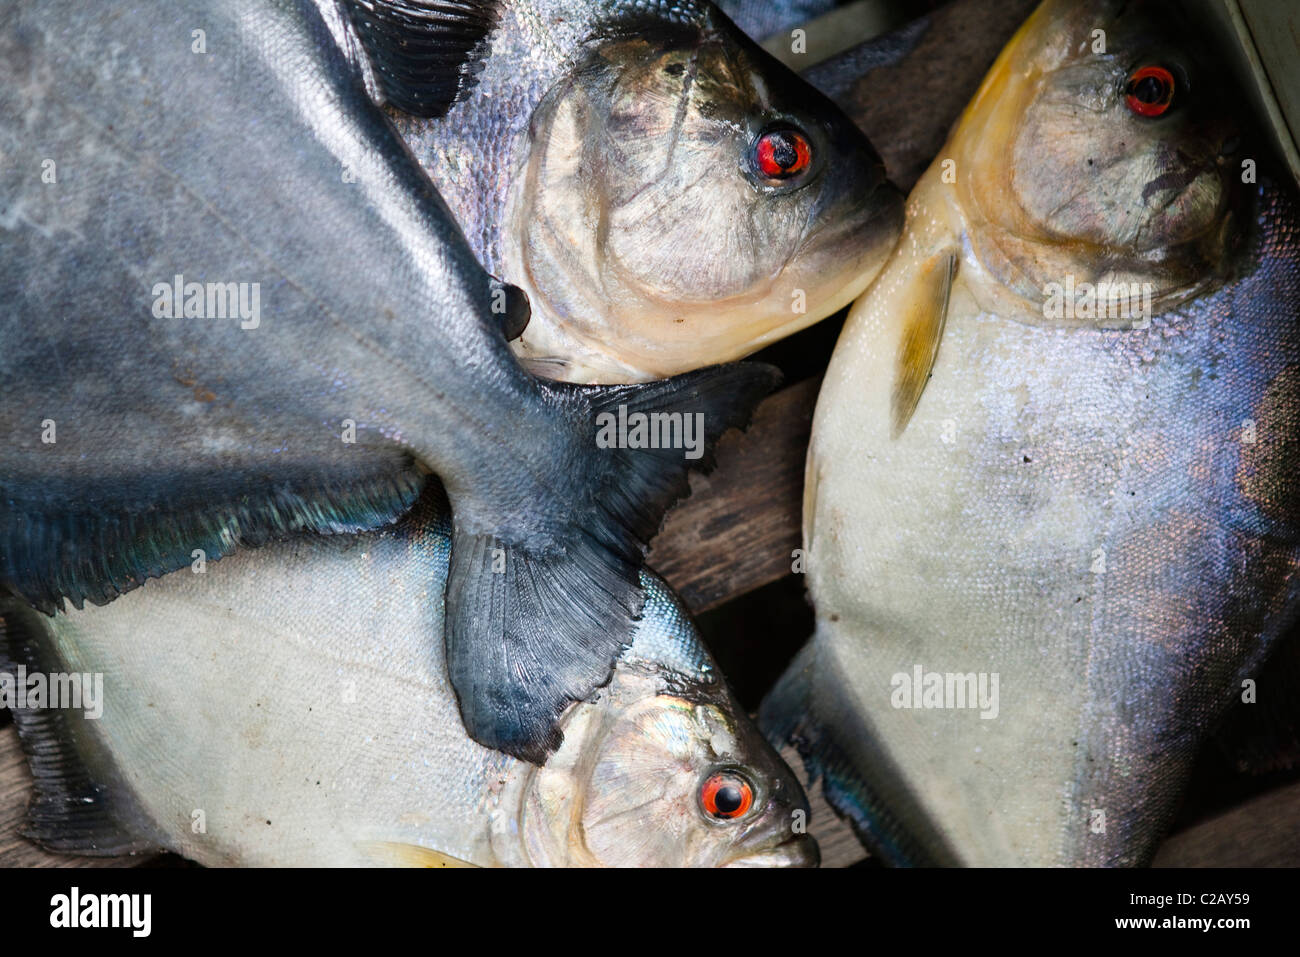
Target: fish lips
[870, 222]
[800, 850]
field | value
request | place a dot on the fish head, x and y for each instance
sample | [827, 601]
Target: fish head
[661, 768]
[689, 199]
[1102, 146]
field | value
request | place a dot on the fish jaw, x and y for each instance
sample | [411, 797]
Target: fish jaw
[623, 789]
[556, 344]
[799, 851]
[655, 251]
[581, 338]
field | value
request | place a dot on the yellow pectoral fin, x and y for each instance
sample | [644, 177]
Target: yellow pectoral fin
[926, 311]
[410, 855]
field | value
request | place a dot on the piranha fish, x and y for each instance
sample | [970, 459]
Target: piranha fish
[666, 193]
[326, 732]
[234, 307]
[1052, 496]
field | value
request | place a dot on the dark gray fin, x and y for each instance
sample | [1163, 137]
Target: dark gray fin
[926, 314]
[114, 542]
[529, 633]
[886, 821]
[79, 804]
[509, 304]
[426, 53]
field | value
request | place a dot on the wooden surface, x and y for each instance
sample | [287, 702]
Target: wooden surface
[907, 89]
[737, 530]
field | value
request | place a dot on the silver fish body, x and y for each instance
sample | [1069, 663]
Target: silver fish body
[235, 307]
[323, 730]
[1048, 551]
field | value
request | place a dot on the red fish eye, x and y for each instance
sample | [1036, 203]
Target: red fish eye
[782, 154]
[727, 796]
[1150, 90]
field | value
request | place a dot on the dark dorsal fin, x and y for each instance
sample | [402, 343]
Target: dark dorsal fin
[425, 53]
[74, 809]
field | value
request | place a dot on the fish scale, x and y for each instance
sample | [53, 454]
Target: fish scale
[134, 436]
[289, 707]
[1101, 512]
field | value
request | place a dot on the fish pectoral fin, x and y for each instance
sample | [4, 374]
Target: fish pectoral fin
[424, 52]
[927, 312]
[399, 854]
[74, 809]
[532, 629]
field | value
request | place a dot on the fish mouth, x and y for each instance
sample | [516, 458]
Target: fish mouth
[874, 227]
[797, 851]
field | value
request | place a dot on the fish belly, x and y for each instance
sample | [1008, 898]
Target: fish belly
[1086, 515]
[282, 708]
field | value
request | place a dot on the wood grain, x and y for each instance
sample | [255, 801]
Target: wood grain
[737, 530]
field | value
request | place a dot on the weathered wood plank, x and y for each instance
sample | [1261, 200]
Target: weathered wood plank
[839, 846]
[737, 530]
[1263, 832]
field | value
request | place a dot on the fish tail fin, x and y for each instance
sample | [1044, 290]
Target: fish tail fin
[79, 804]
[531, 629]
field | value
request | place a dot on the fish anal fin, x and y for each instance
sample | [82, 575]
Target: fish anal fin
[923, 323]
[425, 53]
[74, 809]
[860, 781]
